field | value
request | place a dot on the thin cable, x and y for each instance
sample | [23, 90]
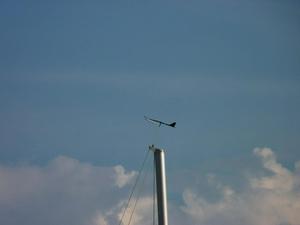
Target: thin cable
[137, 198]
[134, 186]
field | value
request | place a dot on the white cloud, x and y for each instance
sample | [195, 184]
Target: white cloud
[121, 177]
[281, 180]
[268, 200]
[65, 191]
[142, 213]
[99, 219]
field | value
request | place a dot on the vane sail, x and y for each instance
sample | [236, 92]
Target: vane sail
[159, 123]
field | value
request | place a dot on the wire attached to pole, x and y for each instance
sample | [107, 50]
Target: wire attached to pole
[134, 187]
[137, 198]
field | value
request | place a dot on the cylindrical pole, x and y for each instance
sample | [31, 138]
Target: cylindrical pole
[161, 187]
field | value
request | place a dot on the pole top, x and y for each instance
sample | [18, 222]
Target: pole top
[154, 149]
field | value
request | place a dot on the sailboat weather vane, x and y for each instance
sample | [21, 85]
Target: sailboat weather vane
[159, 184]
[160, 122]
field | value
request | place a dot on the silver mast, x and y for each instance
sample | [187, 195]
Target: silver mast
[161, 187]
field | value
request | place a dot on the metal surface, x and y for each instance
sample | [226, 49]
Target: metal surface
[161, 186]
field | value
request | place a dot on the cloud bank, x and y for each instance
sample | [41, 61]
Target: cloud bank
[66, 191]
[272, 199]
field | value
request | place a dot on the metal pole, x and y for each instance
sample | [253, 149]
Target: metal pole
[161, 187]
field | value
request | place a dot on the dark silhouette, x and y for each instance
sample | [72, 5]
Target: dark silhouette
[160, 122]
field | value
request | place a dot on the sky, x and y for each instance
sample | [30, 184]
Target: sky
[77, 78]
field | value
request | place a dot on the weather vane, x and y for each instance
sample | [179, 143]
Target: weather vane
[160, 122]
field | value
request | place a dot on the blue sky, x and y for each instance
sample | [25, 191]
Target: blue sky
[76, 79]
